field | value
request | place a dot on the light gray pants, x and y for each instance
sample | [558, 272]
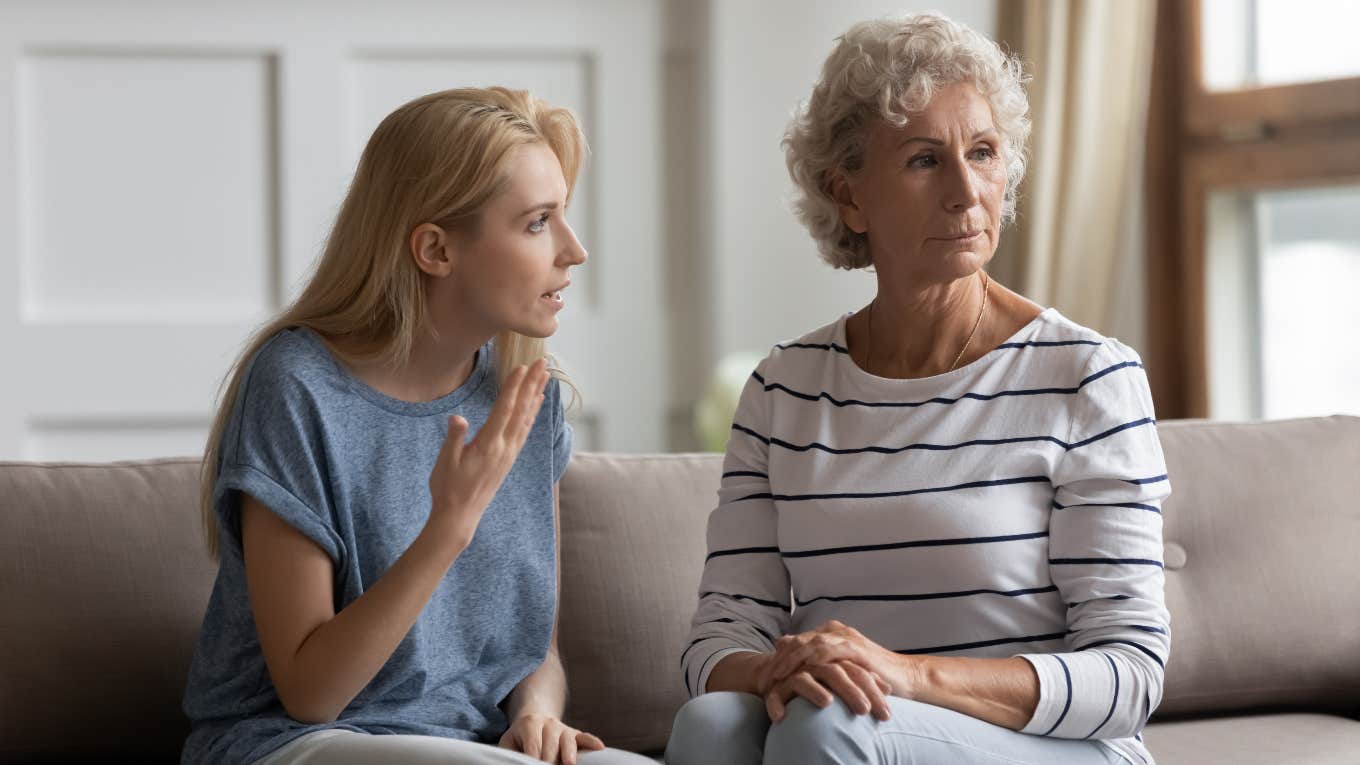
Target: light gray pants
[346, 747]
[726, 728]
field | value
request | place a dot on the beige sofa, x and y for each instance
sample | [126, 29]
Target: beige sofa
[104, 582]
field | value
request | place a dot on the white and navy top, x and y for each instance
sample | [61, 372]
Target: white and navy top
[1009, 507]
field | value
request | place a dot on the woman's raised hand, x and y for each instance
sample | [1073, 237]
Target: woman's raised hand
[466, 475]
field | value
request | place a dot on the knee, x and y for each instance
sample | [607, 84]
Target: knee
[811, 734]
[717, 728]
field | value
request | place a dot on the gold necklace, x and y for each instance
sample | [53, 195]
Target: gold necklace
[869, 342]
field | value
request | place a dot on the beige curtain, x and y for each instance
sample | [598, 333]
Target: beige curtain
[1077, 241]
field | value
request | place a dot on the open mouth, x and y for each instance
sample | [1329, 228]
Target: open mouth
[554, 297]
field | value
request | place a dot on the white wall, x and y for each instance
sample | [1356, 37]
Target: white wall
[695, 251]
[168, 171]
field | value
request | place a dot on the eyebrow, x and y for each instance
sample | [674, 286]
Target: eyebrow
[538, 207]
[938, 142]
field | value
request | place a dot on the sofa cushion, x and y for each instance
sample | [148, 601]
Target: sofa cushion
[1256, 740]
[1262, 533]
[632, 550]
[104, 583]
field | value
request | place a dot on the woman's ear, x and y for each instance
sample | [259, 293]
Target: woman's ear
[431, 248]
[851, 215]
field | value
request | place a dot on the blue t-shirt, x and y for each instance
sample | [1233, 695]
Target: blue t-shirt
[349, 468]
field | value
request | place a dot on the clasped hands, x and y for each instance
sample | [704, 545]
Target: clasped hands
[831, 661]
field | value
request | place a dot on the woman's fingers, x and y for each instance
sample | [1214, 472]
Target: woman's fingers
[529, 402]
[804, 685]
[533, 743]
[788, 651]
[566, 746]
[514, 428]
[835, 677]
[776, 699]
[551, 740]
[457, 437]
[503, 411]
[883, 685]
[588, 741]
[814, 651]
[871, 685]
[452, 449]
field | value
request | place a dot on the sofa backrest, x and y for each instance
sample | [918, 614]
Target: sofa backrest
[105, 580]
[104, 583]
[1262, 541]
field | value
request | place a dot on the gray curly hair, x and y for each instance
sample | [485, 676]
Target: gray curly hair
[886, 69]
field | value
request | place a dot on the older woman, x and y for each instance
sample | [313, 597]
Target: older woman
[939, 529]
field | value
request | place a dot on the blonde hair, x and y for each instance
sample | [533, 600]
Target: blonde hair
[438, 159]
[884, 70]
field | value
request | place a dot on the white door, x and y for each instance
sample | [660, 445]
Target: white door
[169, 170]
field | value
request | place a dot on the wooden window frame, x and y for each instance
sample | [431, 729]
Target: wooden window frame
[1201, 142]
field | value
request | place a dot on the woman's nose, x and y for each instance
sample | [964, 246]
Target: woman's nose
[573, 253]
[963, 189]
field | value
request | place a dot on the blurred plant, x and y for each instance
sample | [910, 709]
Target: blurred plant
[713, 412]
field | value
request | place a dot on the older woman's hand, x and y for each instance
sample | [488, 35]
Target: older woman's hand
[823, 653]
[862, 691]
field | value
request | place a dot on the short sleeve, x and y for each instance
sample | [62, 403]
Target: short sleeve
[273, 449]
[562, 432]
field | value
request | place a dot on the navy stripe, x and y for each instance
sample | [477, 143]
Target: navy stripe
[700, 676]
[1112, 561]
[1112, 431]
[1140, 481]
[721, 620]
[1068, 705]
[1047, 343]
[1026, 344]
[751, 433]
[1107, 370]
[1130, 505]
[817, 346]
[984, 643]
[942, 399]
[740, 551]
[1113, 701]
[1142, 648]
[903, 493]
[1092, 600]
[748, 473]
[920, 543]
[772, 441]
[697, 641]
[1145, 628]
[757, 601]
[931, 595]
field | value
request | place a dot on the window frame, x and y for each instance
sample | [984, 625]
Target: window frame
[1201, 142]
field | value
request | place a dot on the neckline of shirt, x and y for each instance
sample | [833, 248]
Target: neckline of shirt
[442, 405]
[1025, 333]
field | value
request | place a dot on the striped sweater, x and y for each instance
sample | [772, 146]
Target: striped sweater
[1010, 507]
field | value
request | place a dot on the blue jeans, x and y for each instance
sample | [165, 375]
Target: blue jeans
[726, 728]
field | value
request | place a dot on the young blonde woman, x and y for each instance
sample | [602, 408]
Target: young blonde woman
[388, 586]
